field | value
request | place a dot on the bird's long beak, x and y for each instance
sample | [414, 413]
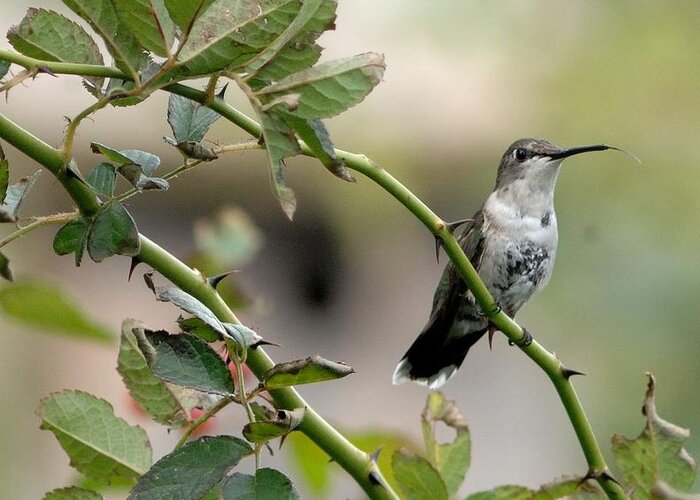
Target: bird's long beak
[566, 152]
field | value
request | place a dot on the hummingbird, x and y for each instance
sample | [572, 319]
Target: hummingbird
[511, 241]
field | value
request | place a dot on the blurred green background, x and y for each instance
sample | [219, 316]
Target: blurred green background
[352, 278]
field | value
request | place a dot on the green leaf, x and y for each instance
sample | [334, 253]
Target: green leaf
[14, 196]
[576, 488]
[451, 459]
[72, 238]
[4, 68]
[135, 166]
[657, 454]
[184, 12]
[279, 143]
[191, 471]
[267, 484]
[506, 492]
[4, 175]
[99, 444]
[149, 22]
[45, 34]
[73, 493]
[5, 270]
[188, 119]
[196, 326]
[47, 308]
[316, 136]
[304, 371]
[113, 232]
[330, 88]
[417, 478]
[188, 303]
[151, 393]
[229, 34]
[103, 178]
[276, 425]
[186, 360]
[310, 9]
[118, 37]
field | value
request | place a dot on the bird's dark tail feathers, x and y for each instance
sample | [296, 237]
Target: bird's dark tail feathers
[433, 359]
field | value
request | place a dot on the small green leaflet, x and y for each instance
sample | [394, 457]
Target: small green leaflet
[135, 166]
[304, 371]
[113, 232]
[266, 484]
[121, 44]
[45, 34]
[100, 445]
[276, 425]
[191, 471]
[149, 22]
[103, 178]
[185, 360]
[657, 455]
[330, 88]
[190, 121]
[4, 174]
[450, 459]
[416, 477]
[72, 493]
[4, 68]
[72, 238]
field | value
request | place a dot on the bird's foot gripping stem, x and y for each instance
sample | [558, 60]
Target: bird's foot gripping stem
[524, 341]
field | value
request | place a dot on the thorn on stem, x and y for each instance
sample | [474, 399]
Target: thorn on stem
[215, 280]
[134, 262]
[568, 372]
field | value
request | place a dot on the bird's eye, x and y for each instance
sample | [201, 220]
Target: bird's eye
[520, 154]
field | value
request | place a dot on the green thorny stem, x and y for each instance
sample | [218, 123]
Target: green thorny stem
[354, 461]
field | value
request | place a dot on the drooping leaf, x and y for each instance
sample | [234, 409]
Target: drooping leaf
[149, 22]
[186, 360]
[657, 454]
[100, 445]
[278, 425]
[150, 392]
[188, 119]
[113, 232]
[73, 493]
[5, 271]
[280, 143]
[417, 478]
[14, 196]
[191, 471]
[266, 484]
[450, 459]
[315, 135]
[72, 238]
[45, 34]
[135, 166]
[305, 371]
[184, 12]
[330, 88]
[48, 309]
[119, 39]
[103, 178]
[188, 303]
[230, 33]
